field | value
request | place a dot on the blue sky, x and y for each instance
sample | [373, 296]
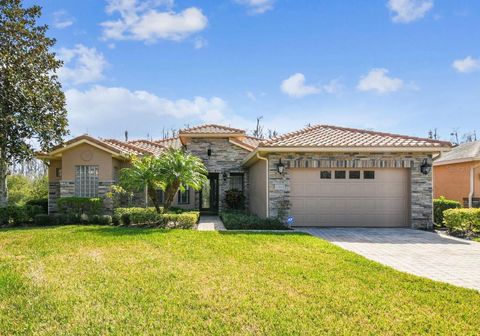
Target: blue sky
[403, 66]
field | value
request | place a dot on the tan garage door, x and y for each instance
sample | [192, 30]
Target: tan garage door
[339, 197]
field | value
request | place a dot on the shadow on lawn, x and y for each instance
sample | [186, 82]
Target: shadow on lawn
[263, 232]
[121, 230]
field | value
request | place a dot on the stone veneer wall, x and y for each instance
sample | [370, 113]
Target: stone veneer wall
[67, 189]
[420, 185]
[53, 195]
[225, 158]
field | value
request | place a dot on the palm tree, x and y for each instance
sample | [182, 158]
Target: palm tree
[178, 170]
[143, 174]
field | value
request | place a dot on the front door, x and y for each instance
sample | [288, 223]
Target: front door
[209, 195]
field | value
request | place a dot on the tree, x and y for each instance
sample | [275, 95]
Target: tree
[22, 188]
[32, 104]
[178, 170]
[143, 174]
[172, 171]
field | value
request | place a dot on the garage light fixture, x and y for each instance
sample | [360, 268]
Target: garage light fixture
[280, 167]
[426, 167]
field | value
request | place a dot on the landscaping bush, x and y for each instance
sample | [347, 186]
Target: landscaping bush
[41, 202]
[80, 205]
[14, 215]
[239, 220]
[462, 221]
[46, 219]
[149, 217]
[440, 205]
[235, 199]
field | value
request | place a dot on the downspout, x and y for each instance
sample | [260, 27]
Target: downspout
[266, 183]
[472, 185]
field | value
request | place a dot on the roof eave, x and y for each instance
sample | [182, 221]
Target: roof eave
[454, 161]
[286, 149]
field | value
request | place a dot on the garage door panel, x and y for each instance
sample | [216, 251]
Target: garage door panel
[381, 202]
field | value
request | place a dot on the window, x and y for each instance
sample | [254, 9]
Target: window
[160, 195]
[325, 174]
[115, 174]
[340, 174]
[184, 197]
[354, 174]
[236, 181]
[86, 181]
[368, 175]
[58, 172]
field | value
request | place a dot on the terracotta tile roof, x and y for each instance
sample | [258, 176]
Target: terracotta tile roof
[252, 141]
[169, 142]
[467, 151]
[125, 148]
[333, 136]
[211, 129]
[151, 147]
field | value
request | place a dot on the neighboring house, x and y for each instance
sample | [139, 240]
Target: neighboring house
[320, 175]
[456, 174]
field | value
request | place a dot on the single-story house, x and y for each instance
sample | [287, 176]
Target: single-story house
[320, 175]
[456, 174]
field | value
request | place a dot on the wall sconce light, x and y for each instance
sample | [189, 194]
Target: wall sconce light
[426, 167]
[280, 167]
[225, 176]
[209, 151]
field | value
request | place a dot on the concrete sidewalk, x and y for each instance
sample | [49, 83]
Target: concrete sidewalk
[210, 223]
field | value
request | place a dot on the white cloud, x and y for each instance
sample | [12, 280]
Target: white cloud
[377, 80]
[468, 64]
[406, 11]
[61, 19]
[102, 110]
[142, 21]
[257, 6]
[81, 65]
[200, 43]
[295, 86]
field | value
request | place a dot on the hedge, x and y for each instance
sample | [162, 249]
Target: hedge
[462, 221]
[80, 205]
[65, 219]
[440, 205]
[14, 215]
[239, 220]
[149, 217]
[42, 202]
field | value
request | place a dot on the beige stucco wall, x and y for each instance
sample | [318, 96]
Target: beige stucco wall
[257, 188]
[453, 181]
[86, 154]
[52, 170]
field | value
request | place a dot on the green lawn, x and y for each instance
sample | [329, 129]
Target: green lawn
[91, 280]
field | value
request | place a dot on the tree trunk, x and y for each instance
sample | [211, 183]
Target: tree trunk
[170, 192]
[3, 183]
[152, 193]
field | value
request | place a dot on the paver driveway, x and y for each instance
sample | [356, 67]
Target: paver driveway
[426, 254]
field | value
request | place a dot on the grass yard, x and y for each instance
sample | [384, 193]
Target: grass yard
[91, 280]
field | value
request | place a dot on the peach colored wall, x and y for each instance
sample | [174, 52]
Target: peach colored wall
[453, 181]
[52, 170]
[86, 154]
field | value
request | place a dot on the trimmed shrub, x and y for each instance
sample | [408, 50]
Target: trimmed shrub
[49, 219]
[440, 205]
[116, 219]
[463, 221]
[149, 217]
[239, 220]
[80, 205]
[14, 215]
[41, 202]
